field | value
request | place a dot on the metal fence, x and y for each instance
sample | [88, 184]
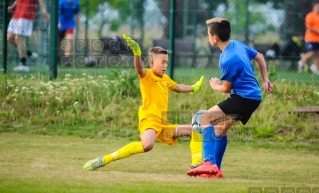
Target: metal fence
[268, 25]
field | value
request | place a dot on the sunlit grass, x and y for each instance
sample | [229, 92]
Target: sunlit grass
[35, 163]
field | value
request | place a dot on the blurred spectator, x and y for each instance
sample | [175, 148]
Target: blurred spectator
[69, 17]
[21, 26]
[312, 41]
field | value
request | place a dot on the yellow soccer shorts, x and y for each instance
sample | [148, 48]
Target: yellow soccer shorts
[164, 130]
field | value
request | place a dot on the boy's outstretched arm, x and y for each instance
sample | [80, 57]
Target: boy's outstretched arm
[261, 64]
[181, 88]
[138, 64]
[216, 85]
[11, 8]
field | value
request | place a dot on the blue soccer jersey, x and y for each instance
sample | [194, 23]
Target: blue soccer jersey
[236, 67]
[67, 12]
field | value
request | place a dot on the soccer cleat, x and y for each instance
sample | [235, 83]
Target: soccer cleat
[205, 168]
[194, 166]
[314, 69]
[32, 55]
[300, 66]
[218, 175]
[22, 68]
[94, 164]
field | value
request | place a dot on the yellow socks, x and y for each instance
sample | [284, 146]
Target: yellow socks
[126, 151]
[137, 147]
[196, 148]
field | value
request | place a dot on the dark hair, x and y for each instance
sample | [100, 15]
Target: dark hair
[158, 50]
[220, 27]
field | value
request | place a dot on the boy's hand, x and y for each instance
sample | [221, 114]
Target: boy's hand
[268, 87]
[198, 85]
[133, 45]
[11, 8]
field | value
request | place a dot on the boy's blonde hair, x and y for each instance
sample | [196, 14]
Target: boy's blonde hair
[158, 50]
[220, 27]
[155, 51]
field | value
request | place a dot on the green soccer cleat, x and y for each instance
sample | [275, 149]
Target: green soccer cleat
[94, 164]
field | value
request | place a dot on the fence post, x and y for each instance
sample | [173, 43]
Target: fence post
[185, 18]
[53, 65]
[172, 39]
[87, 5]
[4, 36]
[247, 22]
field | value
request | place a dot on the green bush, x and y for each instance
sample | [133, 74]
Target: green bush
[100, 106]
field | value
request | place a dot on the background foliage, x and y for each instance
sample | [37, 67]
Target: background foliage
[98, 106]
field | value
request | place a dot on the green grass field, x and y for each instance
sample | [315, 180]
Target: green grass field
[49, 129]
[37, 163]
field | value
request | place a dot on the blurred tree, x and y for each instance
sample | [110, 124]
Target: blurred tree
[127, 9]
[185, 23]
[296, 11]
[237, 15]
[294, 23]
[199, 11]
[116, 4]
[277, 4]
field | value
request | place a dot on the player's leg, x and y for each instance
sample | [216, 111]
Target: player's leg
[214, 124]
[315, 67]
[61, 49]
[221, 140]
[23, 29]
[196, 148]
[182, 130]
[11, 44]
[303, 63]
[211, 117]
[20, 41]
[215, 134]
[219, 119]
[215, 149]
[146, 144]
[195, 143]
[10, 37]
[69, 35]
[11, 29]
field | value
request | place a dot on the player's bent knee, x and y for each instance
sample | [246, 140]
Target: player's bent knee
[18, 40]
[147, 146]
[221, 129]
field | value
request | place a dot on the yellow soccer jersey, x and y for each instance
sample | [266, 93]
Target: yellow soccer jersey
[154, 92]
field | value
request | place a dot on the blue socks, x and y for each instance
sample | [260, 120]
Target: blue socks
[214, 146]
[208, 144]
[220, 148]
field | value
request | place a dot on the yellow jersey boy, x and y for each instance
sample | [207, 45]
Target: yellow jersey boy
[155, 86]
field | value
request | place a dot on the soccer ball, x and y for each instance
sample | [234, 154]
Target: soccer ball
[196, 120]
